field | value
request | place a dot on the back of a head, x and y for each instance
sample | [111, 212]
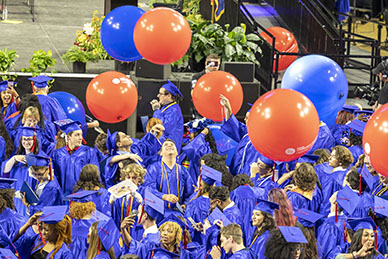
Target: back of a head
[240, 180]
[277, 247]
[217, 162]
[343, 155]
[219, 193]
[234, 231]
[305, 177]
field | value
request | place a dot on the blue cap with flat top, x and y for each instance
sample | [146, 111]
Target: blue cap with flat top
[27, 131]
[3, 86]
[171, 88]
[267, 161]
[7, 254]
[36, 160]
[364, 223]
[266, 206]
[357, 127]
[381, 207]
[6, 183]
[367, 177]
[350, 108]
[111, 142]
[53, 214]
[364, 112]
[108, 233]
[347, 199]
[217, 214]
[293, 234]
[307, 217]
[40, 81]
[210, 175]
[153, 205]
[82, 196]
[68, 125]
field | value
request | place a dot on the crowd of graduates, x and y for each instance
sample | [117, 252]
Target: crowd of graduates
[185, 194]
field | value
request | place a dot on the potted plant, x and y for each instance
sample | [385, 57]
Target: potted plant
[78, 57]
[40, 62]
[7, 61]
[124, 67]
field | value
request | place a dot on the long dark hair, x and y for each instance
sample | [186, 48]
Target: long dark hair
[27, 101]
[8, 141]
[310, 250]
[89, 179]
[21, 150]
[209, 139]
[267, 224]
[6, 199]
[356, 245]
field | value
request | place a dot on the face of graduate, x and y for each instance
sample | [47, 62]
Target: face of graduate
[40, 174]
[257, 218]
[6, 97]
[164, 97]
[368, 236]
[168, 149]
[30, 122]
[75, 138]
[333, 162]
[44, 229]
[125, 140]
[134, 178]
[226, 244]
[368, 165]
[263, 168]
[167, 235]
[27, 142]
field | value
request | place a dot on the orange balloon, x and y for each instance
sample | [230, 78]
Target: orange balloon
[162, 36]
[283, 124]
[111, 97]
[284, 42]
[207, 90]
[375, 140]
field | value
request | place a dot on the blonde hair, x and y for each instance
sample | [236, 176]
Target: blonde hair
[79, 210]
[233, 230]
[136, 169]
[93, 244]
[152, 122]
[176, 228]
[31, 112]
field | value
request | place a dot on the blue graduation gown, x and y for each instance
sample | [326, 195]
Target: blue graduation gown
[79, 237]
[198, 209]
[356, 151]
[300, 201]
[2, 148]
[51, 108]
[101, 199]
[122, 208]
[102, 255]
[51, 196]
[141, 248]
[146, 148]
[324, 139]
[161, 185]
[331, 234]
[7, 111]
[258, 245]
[362, 208]
[10, 223]
[233, 214]
[244, 254]
[68, 167]
[265, 183]
[193, 251]
[172, 118]
[337, 132]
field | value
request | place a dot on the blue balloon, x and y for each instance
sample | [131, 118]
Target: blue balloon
[71, 105]
[117, 33]
[322, 80]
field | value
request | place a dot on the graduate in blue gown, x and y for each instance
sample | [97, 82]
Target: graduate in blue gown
[324, 139]
[121, 147]
[339, 129]
[220, 198]
[167, 179]
[47, 189]
[10, 220]
[9, 99]
[150, 212]
[53, 237]
[354, 143]
[262, 220]
[51, 108]
[168, 111]
[262, 174]
[70, 159]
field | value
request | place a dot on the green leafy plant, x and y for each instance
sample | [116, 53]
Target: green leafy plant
[40, 62]
[7, 61]
[75, 54]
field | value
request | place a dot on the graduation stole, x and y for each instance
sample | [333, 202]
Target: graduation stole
[168, 106]
[253, 241]
[168, 183]
[382, 191]
[122, 215]
[306, 194]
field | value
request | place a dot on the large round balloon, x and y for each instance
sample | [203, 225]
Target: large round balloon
[283, 125]
[117, 33]
[71, 105]
[375, 140]
[322, 80]
[284, 42]
[207, 90]
[111, 97]
[162, 36]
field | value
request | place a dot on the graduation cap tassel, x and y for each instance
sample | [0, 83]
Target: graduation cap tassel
[336, 213]
[345, 232]
[359, 186]
[33, 144]
[273, 173]
[51, 170]
[152, 253]
[41, 236]
[377, 242]
[84, 141]
[141, 214]
[99, 246]
[185, 238]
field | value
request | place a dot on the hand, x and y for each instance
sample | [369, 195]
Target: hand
[135, 157]
[365, 249]
[127, 222]
[254, 169]
[289, 187]
[24, 200]
[20, 159]
[170, 198]
[198, 227]
[206, 225]
[155, 104]
[157, 129]
[219, 223]
[205, 131]
[225, 102]
[13, 91]
[34, 219]
[215, 252]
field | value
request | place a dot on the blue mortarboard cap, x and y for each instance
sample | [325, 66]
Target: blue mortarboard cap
[173, 218]
[366, 112]
[307, 217]
[68, 125]
[308, 159]
[6, 183]
[154, 206]
[172, 88]
[364, 223]
[53, 214]
[198, 124]
[37, 160]
[381, 207]
[267, 161]
[293, 234]
[357, 127]
[218, 215]
[350, 108]
[7, 254]
[40, 81]
[347, 199]
[3, 86]
[82, 196]
[108, 233]
[266, 206]
[27, 131]
[367, 177]
[111, 142]
[210, 175]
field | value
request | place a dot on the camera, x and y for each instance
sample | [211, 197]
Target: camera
[371, 94]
